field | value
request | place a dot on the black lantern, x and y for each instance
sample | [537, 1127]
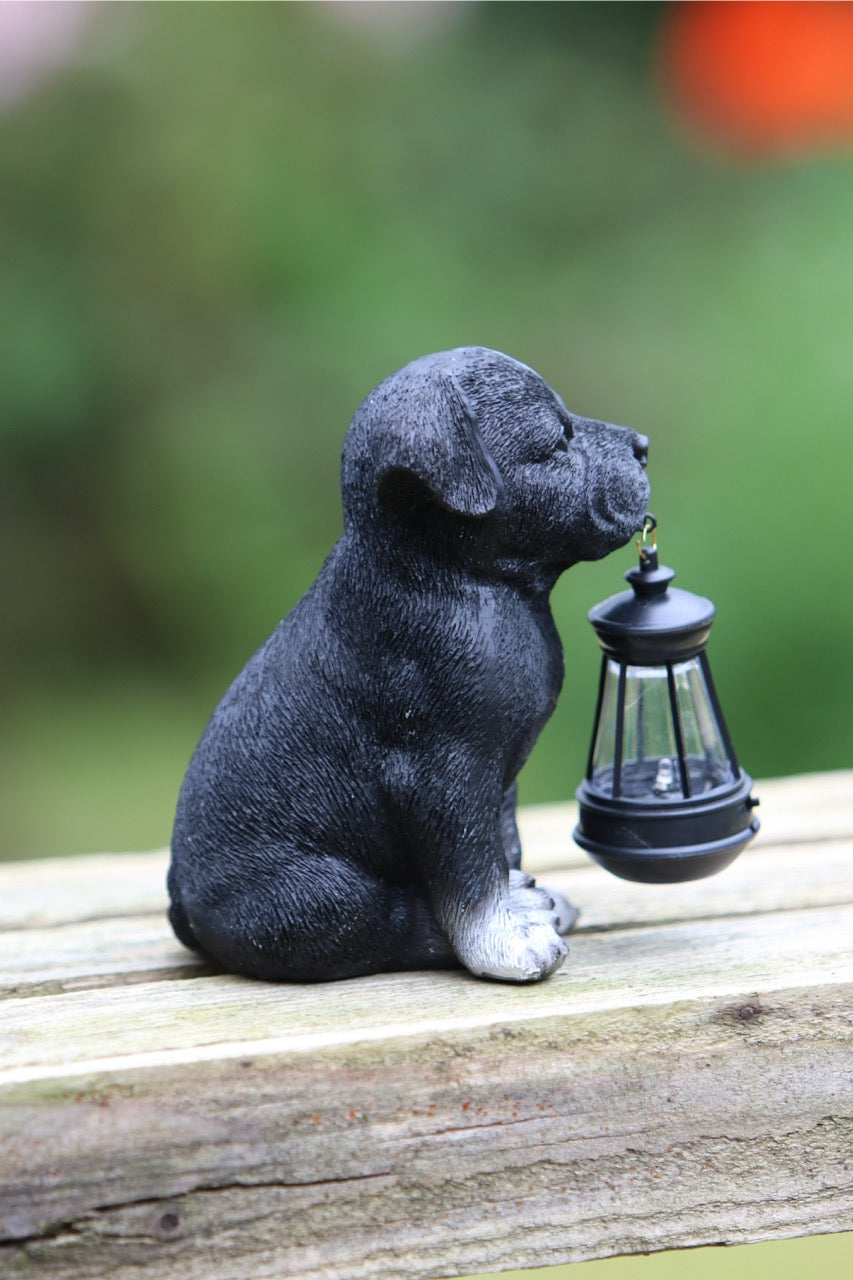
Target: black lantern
[664, 798]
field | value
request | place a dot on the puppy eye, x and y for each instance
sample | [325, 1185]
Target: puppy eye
[562, 445]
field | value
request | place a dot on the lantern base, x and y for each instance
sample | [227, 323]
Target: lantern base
[666, 843]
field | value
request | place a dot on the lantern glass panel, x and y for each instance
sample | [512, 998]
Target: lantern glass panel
[708, 765]
[639, 753]
[604, 746]
[647, 764]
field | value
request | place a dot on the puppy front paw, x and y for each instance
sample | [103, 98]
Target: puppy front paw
[513, 941]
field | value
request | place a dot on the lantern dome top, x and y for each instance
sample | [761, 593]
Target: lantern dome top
[653, 623]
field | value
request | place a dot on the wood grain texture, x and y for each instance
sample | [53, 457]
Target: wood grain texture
[685, 1079]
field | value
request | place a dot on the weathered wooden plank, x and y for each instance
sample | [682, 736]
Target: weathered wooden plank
[78, 1033]
[135, 948]
[60, 890]
[97, 953]
[535, 1139]
[550, 1113]
[687, 1078]
[814, 806]
[762, 879]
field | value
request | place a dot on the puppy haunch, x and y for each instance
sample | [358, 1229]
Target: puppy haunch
[350, 808]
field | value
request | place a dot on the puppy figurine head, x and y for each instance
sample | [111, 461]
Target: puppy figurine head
[473, 439]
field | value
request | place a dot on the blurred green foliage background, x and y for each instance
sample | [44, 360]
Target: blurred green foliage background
[221, 225]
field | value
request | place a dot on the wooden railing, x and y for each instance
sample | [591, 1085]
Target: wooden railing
[686, 1078]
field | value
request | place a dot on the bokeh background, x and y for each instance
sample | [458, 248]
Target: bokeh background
[221, 225]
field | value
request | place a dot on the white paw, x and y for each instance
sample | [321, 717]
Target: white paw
[514, 939]
[522, 953]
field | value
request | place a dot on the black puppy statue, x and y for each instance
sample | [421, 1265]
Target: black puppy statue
[350, 808]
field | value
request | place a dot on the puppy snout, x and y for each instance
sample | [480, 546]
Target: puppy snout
[641, 448]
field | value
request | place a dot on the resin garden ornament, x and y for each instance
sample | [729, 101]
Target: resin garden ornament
[350, 808]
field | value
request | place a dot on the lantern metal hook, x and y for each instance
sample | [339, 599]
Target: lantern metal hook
[650, 525]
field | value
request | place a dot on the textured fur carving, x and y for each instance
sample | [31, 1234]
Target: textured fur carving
[350, 807]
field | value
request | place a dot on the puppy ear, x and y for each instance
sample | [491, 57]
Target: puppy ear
[435, 440]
